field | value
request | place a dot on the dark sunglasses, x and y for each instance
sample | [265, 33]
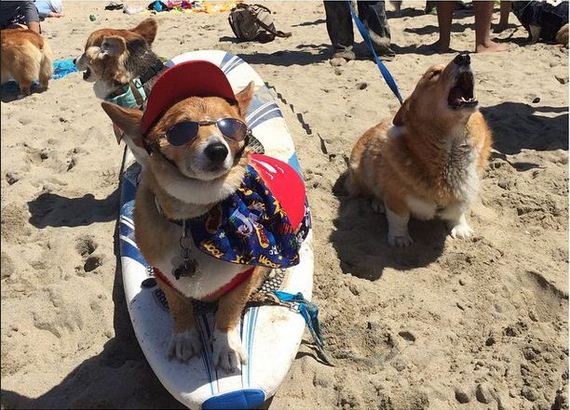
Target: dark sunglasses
[184, 132]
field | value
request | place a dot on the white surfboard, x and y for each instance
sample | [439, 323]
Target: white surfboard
[270, 334]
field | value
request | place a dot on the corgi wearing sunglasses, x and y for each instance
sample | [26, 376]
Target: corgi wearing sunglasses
[200, 175]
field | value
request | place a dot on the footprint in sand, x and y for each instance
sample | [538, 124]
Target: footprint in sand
[86, 246]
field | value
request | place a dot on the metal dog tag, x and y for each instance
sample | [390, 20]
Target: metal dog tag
[183, 266]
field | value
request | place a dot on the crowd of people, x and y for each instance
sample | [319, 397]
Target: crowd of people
[373, 14]
[29, 13]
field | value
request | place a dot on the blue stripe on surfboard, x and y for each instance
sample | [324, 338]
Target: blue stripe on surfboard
[129, 186]
[243, 338]
[238, 399]
[227, 58]
[267, 113]
[251, 334]
[206, 357]
[247, 343]
[130, 251]
[262, 107]
[274, 113]
[232, 65]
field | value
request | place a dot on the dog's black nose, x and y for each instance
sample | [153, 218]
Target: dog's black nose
[216, 152]
[74, 61]
[462, 59]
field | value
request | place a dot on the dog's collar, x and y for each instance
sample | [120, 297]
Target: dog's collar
[151, 71]
[131, 95]
[135, 92]
[232, 284]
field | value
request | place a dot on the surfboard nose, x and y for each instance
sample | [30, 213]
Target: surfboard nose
[238, 399]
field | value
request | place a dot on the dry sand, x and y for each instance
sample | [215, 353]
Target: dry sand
[480, 321]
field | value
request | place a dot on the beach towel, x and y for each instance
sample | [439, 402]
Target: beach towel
[61, 68]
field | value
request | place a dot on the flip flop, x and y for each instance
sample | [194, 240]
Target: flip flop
[114, 5]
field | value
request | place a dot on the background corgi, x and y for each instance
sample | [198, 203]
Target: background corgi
[26, 56]
[428, 162]
[122, 67]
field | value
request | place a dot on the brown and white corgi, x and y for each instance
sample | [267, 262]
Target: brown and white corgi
[26, 56]
[426, 163]
[122, 67]
[194, 184]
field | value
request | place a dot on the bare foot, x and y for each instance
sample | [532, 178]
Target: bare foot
[338, 61]
[341, 57]
[490, 47]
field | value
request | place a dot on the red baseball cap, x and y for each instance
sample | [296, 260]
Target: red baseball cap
[197, 78]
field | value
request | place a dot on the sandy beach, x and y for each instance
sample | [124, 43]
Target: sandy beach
[443, 324]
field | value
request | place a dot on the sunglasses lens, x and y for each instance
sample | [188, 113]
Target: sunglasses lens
[181, 133]
[232, 128]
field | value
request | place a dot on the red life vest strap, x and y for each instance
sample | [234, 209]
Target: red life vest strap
[231, 285]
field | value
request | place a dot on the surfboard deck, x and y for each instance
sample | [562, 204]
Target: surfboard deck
[270, 334]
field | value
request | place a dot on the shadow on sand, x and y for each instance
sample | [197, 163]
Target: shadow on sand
[50, 209]
[360, 239]
[518, 126]
[118, 377]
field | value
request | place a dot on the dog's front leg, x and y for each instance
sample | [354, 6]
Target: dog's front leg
[228, 352]
[454, 215]
[398, 215]
[185, 341]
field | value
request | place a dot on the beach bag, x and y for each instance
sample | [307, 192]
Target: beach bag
[253, 22]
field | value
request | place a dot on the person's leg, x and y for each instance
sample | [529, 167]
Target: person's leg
[483, 14]
[504, 20]
[339, 28]
[373, 14]
[444, 18]
[431, 7]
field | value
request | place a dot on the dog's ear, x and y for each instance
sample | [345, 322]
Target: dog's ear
[147, 29]
[113, 46]
[244, 97]
[127, 119]
[400, 117]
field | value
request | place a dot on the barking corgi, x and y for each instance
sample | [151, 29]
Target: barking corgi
[211, 218]
[122, 68]
[26, 56]
[428, 162]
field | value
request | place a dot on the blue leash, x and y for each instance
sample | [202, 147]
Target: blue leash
[383, 69]
[310, 313]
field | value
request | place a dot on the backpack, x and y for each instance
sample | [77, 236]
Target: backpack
[253, 22]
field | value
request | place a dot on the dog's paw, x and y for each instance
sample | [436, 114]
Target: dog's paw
[461, 231]
[400, 240]
[184, 345]
[228, 352]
